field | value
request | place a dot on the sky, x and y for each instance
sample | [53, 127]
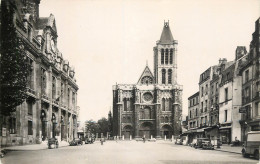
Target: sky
[109, 42]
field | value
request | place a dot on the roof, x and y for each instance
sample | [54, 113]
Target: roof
[166, 36]
[146, 75]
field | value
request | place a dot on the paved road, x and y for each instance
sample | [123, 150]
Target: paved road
[160, 152]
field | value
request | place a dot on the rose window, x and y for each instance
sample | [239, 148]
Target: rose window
[147, 96]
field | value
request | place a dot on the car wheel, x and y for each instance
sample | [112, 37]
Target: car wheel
[256, 154]
[244, 153]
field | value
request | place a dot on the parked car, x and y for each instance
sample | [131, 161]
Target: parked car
[53, 143]
[89, 140]
[203, 143]
[178, 141]
[76, 141]
[252, 144]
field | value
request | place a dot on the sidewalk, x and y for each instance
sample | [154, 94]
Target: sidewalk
[41, 146]
[230, 149]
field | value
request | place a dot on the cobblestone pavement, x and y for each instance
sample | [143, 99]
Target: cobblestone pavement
[127, 152]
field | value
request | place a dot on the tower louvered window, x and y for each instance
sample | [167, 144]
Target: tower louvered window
[171, 56]
[166, 57]
[169, 76]
[163, 76]
[162, 56]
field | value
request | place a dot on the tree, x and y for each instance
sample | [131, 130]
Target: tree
[14, 68]
[110, 122]
[91, 127]
[103, 125]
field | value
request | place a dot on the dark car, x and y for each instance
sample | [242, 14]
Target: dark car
[203, 143]
[76, 141]
[89, 140]
[53, 143]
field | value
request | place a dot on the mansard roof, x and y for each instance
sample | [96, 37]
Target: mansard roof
[44, 22]
[166, 36]
[146, 73]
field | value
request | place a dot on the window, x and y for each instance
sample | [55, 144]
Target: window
[163, 76]
[170, 104]
[171, 56]
[216, 86]
[247, 76]
[43, 81]
[225, 119]
[190, 113]
[30, 127]
[166, 57]
[202, 90]
[206, 105]
[206, 89]
[201, 107]
[73, 98]
[206, 119]
[12, 125]
[61, 92]
[196, 112]
[30, 73]
[53, 87]
[211, 120]
[68, 97]
[162, 56]
[166, 119]
[257, 109]
[147, 113]
[29, 34]
[125, 104]
[169, 76]
[30, 107]
[226, 94]
[163, 104]
[216, 119]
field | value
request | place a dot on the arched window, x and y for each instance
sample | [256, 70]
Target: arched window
[147, 113]
[169, 76]
[170, 104]
[163, 104]
[163, 76]
[162, 119]
[166, 56]
[129, 119]
[171, 55]
[167, 104]
[166, 119]
[162, 56]
[131, 104]
[125, 104]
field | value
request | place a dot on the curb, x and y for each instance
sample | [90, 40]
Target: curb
[45, 148]
[227, 151]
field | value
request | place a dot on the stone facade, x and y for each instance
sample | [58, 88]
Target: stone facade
[153, 106]
[51, 107]
[230, 107]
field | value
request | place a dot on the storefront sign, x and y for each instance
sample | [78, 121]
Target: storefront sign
[242, 110]
[4, 132]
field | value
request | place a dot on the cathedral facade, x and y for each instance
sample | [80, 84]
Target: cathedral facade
[151, 108]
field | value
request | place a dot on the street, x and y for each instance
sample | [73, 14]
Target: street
[162, 152]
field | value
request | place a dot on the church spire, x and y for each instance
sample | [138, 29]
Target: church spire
[166, 36]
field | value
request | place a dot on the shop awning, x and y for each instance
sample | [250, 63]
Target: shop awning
[225, 127]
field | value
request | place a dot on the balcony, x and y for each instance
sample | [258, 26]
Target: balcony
[55, 102]
[45, 98]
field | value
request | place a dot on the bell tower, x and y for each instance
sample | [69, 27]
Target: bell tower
[165, 58]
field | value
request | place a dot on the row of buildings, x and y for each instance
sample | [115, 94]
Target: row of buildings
[51, 107]
[227, 104]
[151, 108]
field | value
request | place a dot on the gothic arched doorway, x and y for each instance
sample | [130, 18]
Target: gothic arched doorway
[166, 131]
[127, 131]
[146, 130]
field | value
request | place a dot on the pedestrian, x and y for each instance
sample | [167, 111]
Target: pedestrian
[102, 140]
[144, 139]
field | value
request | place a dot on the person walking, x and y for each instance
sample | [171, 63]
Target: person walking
[102, 140]
[144, 139]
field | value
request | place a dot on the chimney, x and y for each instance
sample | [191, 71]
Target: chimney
[240, 52]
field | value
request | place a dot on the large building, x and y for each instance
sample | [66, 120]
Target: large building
[51, 107]
[153, 106]
[229, 97]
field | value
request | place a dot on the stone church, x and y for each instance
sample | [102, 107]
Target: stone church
[151, 108]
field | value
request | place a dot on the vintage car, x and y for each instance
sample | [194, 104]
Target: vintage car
[53, 143]
[89, 140]
[252, 144]
[178, 141]
[204, 143]
[76, 141]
